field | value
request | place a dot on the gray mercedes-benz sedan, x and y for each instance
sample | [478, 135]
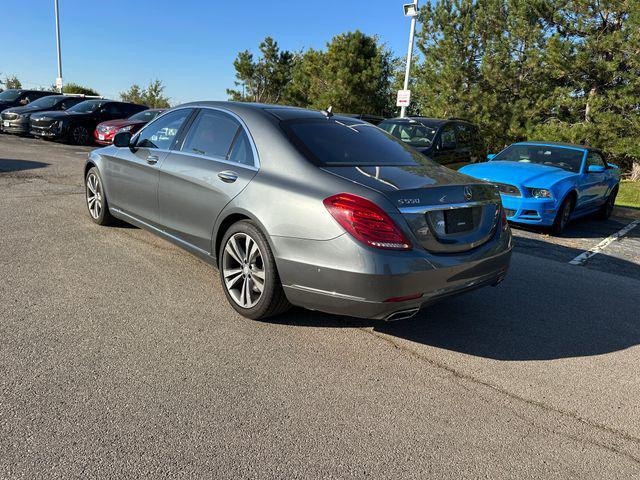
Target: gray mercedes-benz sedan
[299, 207]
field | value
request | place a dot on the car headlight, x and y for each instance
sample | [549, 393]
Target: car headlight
[539, 193]
[125, 129]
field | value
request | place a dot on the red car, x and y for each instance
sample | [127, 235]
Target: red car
[106, 130]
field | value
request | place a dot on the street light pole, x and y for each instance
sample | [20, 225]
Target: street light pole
[59, 79]
[403, 110]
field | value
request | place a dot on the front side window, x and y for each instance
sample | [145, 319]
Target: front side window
[162, 132]
[566, 158]
[88, 106]
[211, 134]
[346, 142]
[413, 133]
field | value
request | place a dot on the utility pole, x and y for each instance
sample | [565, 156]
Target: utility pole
[59, 78]
[410, 10]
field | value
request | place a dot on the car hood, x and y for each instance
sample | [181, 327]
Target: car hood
[61, 115]
[122, 122]
[528, 174]
[25, 109]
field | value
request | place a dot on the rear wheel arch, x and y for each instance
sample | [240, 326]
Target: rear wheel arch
[231, 218]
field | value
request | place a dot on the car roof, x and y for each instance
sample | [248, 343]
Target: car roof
[281, 112]
[561, 144]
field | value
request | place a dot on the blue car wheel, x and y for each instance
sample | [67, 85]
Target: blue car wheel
[563, 215]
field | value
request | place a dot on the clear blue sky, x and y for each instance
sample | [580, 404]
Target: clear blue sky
[189, 44]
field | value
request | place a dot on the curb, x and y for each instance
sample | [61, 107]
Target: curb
[626, 212]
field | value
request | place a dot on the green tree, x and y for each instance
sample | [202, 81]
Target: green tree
[262, 80]
[11, 81]
[79, 89]
[152, 96]
[595, 54]
[353, 75]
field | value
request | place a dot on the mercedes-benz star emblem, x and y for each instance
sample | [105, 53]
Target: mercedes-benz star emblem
[468, 193]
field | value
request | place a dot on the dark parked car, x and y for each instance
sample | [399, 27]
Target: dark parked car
[453, 142]
[76, 125]
[16, 119]
[15, 97]
[105, 131]
[302, 207]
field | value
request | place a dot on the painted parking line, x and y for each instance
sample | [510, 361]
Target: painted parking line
[585, 256]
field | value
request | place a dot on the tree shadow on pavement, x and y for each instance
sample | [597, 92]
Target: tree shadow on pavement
[540, 312]
[10, 165]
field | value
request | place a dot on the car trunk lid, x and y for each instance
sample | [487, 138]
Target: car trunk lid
[447, 212]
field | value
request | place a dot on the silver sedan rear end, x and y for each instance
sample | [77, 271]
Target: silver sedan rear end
[304, 208]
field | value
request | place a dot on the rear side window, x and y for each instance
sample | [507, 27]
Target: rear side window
[346, 142]
[211, 134]
[162, 132]
[241, 150]
[465, 135]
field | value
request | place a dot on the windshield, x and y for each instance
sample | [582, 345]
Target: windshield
[146, 115]
[45, 102]
[413, 133]
[87, 106]
[10, 95]
[349, 142]
[565, 158]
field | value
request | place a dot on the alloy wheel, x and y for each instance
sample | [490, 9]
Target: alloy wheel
[94, 195]
[243, 270]
[80, 136]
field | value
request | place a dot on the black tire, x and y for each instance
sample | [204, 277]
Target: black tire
[563, 215]
[607, 209]
[271, 300]
[79, 135]
[93, 185]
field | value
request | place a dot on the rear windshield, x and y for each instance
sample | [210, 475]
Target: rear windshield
[414, 133]
[349, 142]
[565, 158]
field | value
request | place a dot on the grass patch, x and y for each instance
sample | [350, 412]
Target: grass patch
[629, 194]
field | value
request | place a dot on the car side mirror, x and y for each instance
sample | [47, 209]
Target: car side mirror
[491, 156]
[595, 169]
[122, 139]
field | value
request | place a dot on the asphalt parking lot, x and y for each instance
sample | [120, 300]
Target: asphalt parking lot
[120, 357]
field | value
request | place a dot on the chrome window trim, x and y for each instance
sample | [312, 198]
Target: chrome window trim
[450, 206]
[254, 150]
[215, 159]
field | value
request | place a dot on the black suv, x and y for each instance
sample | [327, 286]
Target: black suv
[76, 125]
[15, 97]
[16, 119]
[453, 142]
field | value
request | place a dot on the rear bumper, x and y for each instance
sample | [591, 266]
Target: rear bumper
[531, 211]
[348, 279]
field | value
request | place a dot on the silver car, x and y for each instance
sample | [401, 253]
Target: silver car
[299, 207]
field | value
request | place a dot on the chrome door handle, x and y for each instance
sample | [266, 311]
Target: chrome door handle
[228, 176]
[152, 159]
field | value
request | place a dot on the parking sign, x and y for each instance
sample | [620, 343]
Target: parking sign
[404, 97]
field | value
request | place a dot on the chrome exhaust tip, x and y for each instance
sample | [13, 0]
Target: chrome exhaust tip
[402, 315]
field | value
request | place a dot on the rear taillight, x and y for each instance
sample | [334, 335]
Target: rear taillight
[366, 221]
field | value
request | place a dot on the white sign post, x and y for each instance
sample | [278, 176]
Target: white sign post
[59, 84]
[404, 98]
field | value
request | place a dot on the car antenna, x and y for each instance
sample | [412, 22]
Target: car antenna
[328, 112]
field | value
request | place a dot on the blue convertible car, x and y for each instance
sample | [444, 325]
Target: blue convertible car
[550, 183]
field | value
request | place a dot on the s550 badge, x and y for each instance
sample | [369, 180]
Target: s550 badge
[408, 201]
